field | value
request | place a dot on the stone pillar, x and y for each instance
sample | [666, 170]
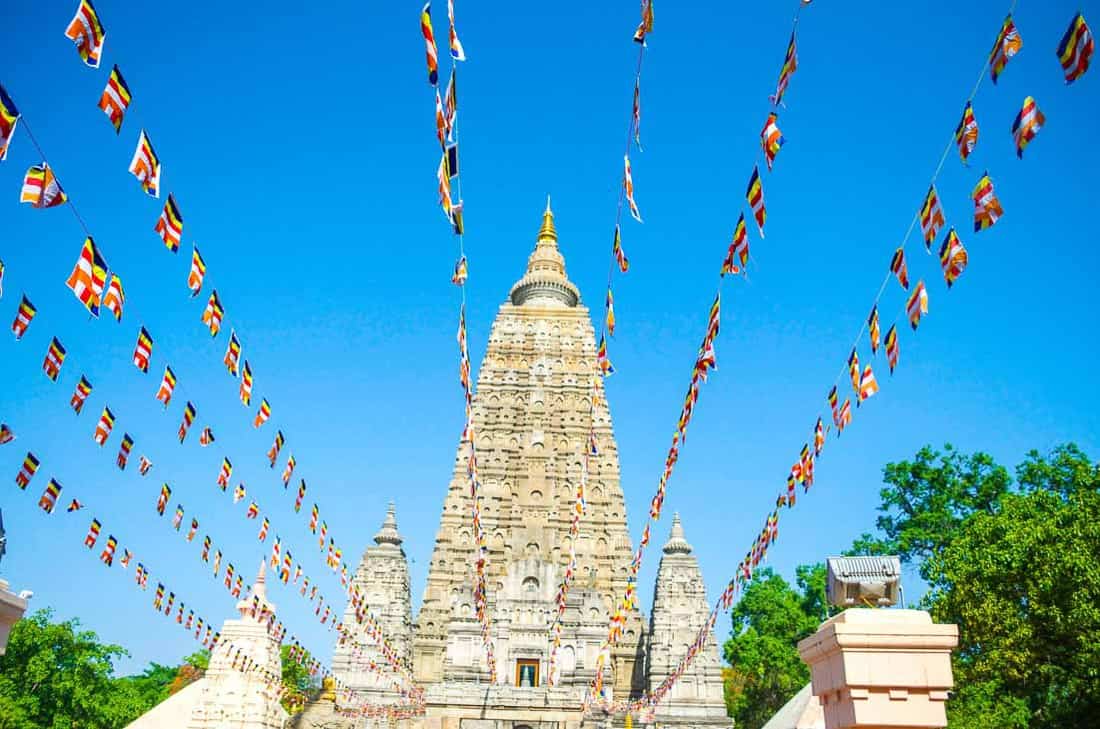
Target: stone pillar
[12, 608]
[875, 668]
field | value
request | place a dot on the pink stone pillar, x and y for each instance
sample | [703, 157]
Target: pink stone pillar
[877, 668]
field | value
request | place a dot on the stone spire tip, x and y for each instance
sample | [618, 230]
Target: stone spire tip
[676, 543]
[388, 534]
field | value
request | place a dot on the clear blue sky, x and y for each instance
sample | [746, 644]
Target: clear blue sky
[301, 148]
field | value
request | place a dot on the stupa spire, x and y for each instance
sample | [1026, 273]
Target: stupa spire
[676, 543]
[388, 534]
[546, 283]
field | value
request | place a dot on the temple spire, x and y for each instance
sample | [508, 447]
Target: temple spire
[388, 534]
[548, 231]
[546, 283]
[676, 543]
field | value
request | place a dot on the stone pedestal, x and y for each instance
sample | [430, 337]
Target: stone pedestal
[12, 608]
[881, 668]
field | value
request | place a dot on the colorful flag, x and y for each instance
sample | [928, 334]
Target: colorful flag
[246, 384]
[238, 493]
[89, 276]
[87, 33]
[636, 114]
[115, 99]
[790, 65]
[23, 318]
[212, 315]
[193, 530]
[617, 249]
[177, 518]
[1027, 124]
[456, 218]
[845, 416]
[771, 139]
[429, 42]
[897, 267]
[143, 350]
[1006, 46]
[124, 451]
[80, 394]
[628, 187]
[144, 464]
[609, 303]
[127, 555]
[93, 533]
[170, 224]
[301, 495]
[162, 500]
[833, 399]
[953, 257]
[312, 518]
[107, 557]
[645, 26]
[1, 278]
[755, 195]
[114, 299]
[987, 208]
[225, 473]
[739, 247]
[917, 306]
[450, 105]
[444, 178]
[1076, 48]
[49, 496]
[27, 471]
[206, 436]
[931, 217]
[606, 368]
[853, 370]
[167, 386]
[966, 134]
[188, 418]
[288, 471]
[232, 354]
[252, 513]
[9, 118]
[197, 273]
[458, 278]
[819, 437]
[262, 414]
[440, 121]
[867, 384]
[456, 45]
[104, 426]
[41, 188]
[277, 446]
[145, 166]
[872, 328]
[55, 357]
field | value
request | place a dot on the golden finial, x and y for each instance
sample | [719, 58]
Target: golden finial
[547, 231]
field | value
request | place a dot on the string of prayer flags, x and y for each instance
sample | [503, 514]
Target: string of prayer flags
[167, 386]
[628, 187]
[263, 414]
[9, 118]
[55, 357]
[1027, 124]
[987, 208]
[27, 470]
[232, 354]
[80, 394]
[953, 258]
[145, 166]
[917, 305]
[170, 224]
[87, 33]
[966, 134]
[931, 217]
[1006, 46]
[104, 427]
[50, 496]
[277, 446]
[429, 42]
[41, 188]
[6, 434]
[755, 196]
[23, 316]
[197, 273]
[115, 99]
[89, 276]
[162, 500]
[114, 299]
[213, 313]
[606, 368]
[246, 384]
[143, 350]
[188, 418]
[618, 252]
[1075, 49]
[645, 26]
[124, 451]
[790, 65]
[873, 328]
[144, 464]
[457, 52]
[771, 139]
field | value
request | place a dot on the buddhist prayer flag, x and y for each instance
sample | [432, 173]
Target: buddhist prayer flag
[739, 247]
[987, 208]
[6, 434]
[645, 26]
[114, 299]
[246, 384]
[917, 306]
[104, 426]
[167, 386]
[301, 495]
[206, 436]
[177, 518]
[74, 505]
[238, 493]
[49, 496]
[867, 384]
[790, 65]
[873, 329]
[55, 357]
[262, 414]
[188, 418]
[628, 188]
[456, 45]
[212, 315]
[162, 500]
[892, 351]
[897, 267]
[288, 471]
[124, 451]
[193, 530]
[853, 370]
[312, 518]
[953, 257]
[617, 250]
[225, 473]
[277, 446]
[87, 33]
[115, 99]
[107, 557]
[9, 118]
[89, 276]
[450, 105]
[444, 177]
[966, 134]
[26, 471]
[458, 278]
[755, 196]
[143, 350]
[819, 437]
[232, 354]
[429, 42]
[636, 114]
[170, 224]
[610, 306]
[1027, 124]
[1076, 48]
[1006, 46]
[197, 273]
[41, 188]
[833, 399]
[23, 318]
[931, 217]
[845, 415]
[144, 464]
[606, 368]
[771, 139]
[93, 533]
[145, 166]
[456, 218]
